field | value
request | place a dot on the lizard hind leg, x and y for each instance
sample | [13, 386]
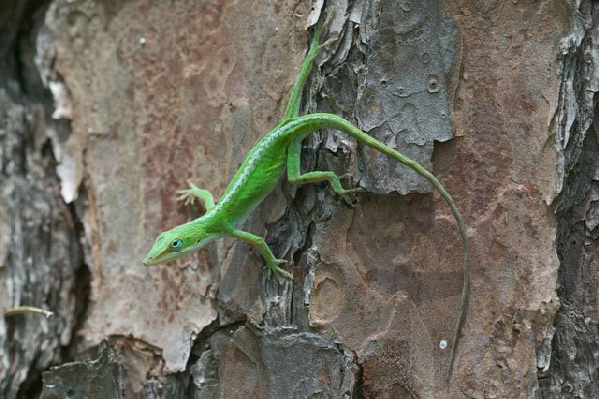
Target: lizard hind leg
[293, 106]
[332, 178]
[296, 177]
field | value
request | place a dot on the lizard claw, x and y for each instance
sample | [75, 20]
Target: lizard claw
[273, 268]
[187, 194]
[349, 176]
[347, 198]
[355, 190]
[328, 42]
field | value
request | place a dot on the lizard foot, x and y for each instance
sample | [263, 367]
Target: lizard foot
[343, 192]
[344, 195]
[188, 194]
[273, 268]
[350, 177]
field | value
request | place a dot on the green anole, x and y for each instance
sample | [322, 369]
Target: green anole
[258, 176]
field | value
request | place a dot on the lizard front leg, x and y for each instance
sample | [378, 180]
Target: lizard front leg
[272, 263]
[190, 194]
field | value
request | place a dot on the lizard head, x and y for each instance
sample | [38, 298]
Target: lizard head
[177, 242]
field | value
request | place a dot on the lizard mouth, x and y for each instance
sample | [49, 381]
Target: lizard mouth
[164, 256]
[149, 261]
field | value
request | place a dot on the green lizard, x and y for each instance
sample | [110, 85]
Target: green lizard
[258, 176]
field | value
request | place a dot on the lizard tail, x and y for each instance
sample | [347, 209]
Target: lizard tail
[335, 122]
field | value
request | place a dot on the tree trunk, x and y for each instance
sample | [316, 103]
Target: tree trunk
[108, 107]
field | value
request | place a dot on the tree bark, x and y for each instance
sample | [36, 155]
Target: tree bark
[108, 107]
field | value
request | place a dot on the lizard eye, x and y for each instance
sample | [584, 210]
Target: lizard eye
[177, 245]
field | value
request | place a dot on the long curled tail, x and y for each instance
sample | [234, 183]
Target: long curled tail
[323, 120]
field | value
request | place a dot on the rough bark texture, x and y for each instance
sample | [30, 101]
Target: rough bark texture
[573, 369]
[108, 107]
[41, 260]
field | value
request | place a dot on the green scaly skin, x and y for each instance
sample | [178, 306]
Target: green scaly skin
[258, 176]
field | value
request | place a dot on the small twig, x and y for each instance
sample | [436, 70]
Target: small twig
[26, 309]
